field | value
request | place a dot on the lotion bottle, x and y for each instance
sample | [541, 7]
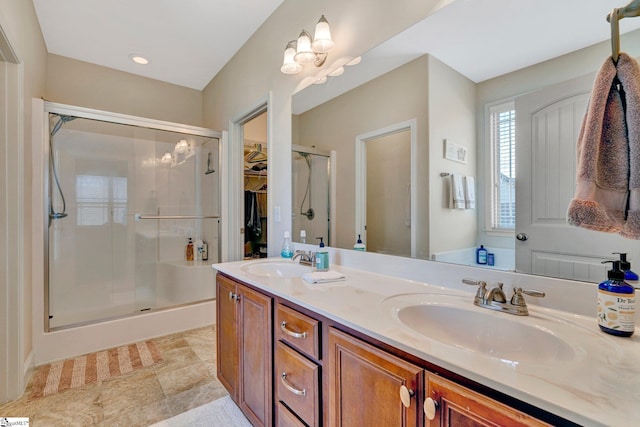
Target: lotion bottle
[616, 303]
[481, 255]
[359, 246]
[322, 257]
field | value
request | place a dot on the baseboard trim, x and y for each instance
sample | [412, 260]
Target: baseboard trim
[27, 370]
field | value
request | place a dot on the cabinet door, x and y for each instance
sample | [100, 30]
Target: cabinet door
[365, 382]
[227, 368]
[459, 406]
[256, 338]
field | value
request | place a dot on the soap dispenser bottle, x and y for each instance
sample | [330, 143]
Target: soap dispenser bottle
[629, 276]
[359, 246]
[188, 250]
[616, 303]
[322, 257]
[287, 246]
[481, 255]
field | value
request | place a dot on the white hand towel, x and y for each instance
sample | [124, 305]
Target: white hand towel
[457, 192]
[469, 192]
[323, 276]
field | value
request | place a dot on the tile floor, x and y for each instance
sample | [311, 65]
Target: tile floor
[183, 380]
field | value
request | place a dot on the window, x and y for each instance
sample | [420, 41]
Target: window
[503, 174]
[97, 196]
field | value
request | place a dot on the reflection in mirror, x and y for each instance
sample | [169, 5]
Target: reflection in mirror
[311, 205]
[449, 74]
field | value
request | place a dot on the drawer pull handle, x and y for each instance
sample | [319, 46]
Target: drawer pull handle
[430, 408]
[288, 386]
[405, 396]
[289, 332]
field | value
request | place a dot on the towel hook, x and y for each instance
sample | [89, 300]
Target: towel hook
[628, 11]
[613, 18]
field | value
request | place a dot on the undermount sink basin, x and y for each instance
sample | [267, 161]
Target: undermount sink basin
[276, 269]
[453, 320]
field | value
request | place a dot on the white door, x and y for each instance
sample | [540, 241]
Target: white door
[548, 122]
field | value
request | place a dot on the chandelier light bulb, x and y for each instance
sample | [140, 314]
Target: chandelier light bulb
[322, 42]
[304, 53]
[290, 66]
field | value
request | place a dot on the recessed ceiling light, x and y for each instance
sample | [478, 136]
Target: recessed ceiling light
[139, 59]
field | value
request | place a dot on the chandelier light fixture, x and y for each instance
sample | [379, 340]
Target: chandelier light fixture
[307, 50]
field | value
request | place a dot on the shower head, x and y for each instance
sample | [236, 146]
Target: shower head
[61, 120]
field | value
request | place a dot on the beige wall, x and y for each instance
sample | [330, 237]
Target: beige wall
[87, 85]
[395, 97]
[451, 117]
[18, 21]
[253, 74]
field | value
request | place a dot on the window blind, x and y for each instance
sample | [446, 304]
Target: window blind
[503, 138]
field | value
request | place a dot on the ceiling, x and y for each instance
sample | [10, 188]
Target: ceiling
[187, 41]
[482, 39]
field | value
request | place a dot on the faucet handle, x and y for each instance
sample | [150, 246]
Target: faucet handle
[480, 283]
[518, 299]
[482, 289]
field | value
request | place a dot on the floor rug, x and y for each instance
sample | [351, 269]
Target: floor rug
[91, 368]
[219, 413]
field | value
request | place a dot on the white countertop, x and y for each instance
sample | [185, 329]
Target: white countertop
[599, 386]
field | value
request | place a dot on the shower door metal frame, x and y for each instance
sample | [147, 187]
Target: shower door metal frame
[330, 157]
[116, 118]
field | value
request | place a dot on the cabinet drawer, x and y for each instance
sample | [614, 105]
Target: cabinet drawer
[298, 330]
[298, 384]
[284, 417]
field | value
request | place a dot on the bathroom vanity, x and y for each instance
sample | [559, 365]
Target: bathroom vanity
[382, 350]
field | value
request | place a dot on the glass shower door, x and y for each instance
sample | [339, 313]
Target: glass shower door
[123, 201]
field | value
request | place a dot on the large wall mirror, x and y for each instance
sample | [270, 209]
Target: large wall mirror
[496, 91]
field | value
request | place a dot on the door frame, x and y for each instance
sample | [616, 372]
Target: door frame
[14, 363]
[361, 175]
[233, 182]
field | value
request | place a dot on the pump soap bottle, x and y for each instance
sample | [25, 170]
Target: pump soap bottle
[616, 303]
[287, 246]
[629, 276]
[359, 246]
[188, 250]
[322, 257]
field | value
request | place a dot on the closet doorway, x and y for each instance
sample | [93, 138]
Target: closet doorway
[255, 187]
[386, 189]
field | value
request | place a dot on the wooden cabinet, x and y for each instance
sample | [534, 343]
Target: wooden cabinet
[315, 374]
[456, 405]
[244, 348]
[365, 382]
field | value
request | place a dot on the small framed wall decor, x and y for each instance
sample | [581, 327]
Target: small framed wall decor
[455, 152]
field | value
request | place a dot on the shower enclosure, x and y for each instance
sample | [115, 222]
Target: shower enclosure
[123, 195]
[311, 171]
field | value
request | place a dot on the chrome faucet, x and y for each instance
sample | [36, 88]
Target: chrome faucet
[495, 298]
[306, 258]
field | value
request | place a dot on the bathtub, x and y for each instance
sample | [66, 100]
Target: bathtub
[505, 259]
[180, 282]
